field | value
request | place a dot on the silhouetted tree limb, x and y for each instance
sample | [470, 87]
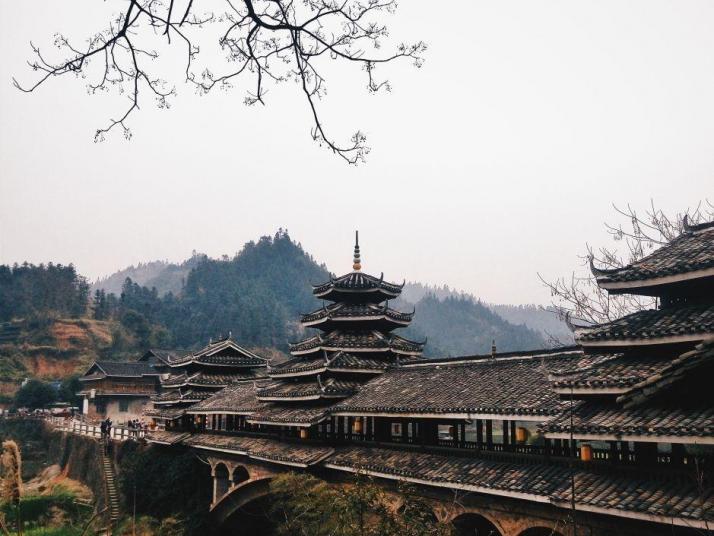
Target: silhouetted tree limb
[579, 297]
[267, 41]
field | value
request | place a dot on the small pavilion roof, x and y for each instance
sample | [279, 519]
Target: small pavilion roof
[357, 283]
[490, 388]
[687, 257]
[307, 390]
[166, 437]
[616, 375]
[261, 449]
[610, 422]
[222, 353]
[696, 361]
[165, 413]
[674, 324]
[290, 415]
[337, 362]
[179, 396]
[119, 369]
[210, 379]
[237, 399]
[357, 341]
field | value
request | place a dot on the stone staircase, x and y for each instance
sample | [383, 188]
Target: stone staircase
[112, 493]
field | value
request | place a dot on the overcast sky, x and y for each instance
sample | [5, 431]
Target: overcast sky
[498, 159]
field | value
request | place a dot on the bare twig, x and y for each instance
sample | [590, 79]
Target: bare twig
[268, 41]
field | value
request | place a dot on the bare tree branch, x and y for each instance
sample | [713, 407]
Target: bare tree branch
[264, 41]
[580, 298]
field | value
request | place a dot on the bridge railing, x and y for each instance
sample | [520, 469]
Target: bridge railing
[75, 426]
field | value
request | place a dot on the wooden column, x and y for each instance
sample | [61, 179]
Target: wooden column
[513, 432]
[505, 435]
[489, 434]
[462, 435]
[405, 431]
[479, 433]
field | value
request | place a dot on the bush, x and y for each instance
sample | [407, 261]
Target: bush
[35, 394]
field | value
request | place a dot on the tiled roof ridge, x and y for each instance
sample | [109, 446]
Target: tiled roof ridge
[357, 280]
[688, 319]
[345, 310]
[691, 251]
[127, 369]
[505, 357]
[213, 347]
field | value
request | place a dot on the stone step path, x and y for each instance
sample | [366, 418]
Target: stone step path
[112, 492]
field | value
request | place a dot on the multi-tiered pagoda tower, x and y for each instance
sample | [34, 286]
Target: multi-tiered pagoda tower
[355, 342]
[195, 376]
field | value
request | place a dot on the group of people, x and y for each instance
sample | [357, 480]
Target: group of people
[134, 426]
[106, 427]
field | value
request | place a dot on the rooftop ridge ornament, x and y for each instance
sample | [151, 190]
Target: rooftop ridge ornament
[598, 272]
[356, 264]
[695, 227]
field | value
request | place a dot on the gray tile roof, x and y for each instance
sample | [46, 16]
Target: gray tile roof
[517, 386]
[676, 370]
[240, 399]
[225, 352]
[162, 412]
[208, 379]
[164, 437]
[618, 372]
[609, 419]
[336, 361]
[135, 369]
[328, 388]
[346, 311]
[358, 281]
[548, 483]
[690, 251]
[653, 324]
[353, 341]
[302, 415]
[261, 448]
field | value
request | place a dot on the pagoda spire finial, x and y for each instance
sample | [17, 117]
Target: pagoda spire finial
[356, 264]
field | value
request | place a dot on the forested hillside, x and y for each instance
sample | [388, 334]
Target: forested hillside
[460, 326]
[53, 326]
[542, 320]
[259, 295]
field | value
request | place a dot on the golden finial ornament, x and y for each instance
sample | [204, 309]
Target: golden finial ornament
[356, 264]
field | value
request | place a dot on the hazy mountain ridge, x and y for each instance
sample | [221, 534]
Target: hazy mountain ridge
[259, 294]
[543, 320]
[165, 276]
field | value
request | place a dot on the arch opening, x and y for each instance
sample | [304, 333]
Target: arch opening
[474, 525]
[222, 482]
[240, 474]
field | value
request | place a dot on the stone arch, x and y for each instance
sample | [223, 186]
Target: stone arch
[540, 531]
[221, 481]
[240, 496]
[240, 475]
[473, 524]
